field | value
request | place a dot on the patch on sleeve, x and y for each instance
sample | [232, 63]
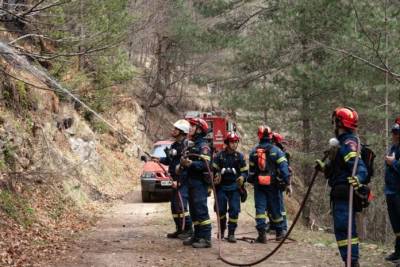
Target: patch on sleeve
[352, 145]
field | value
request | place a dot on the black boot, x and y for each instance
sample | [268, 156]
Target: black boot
[202, 243]
[231, 236]
[280, 235]
[174, 234]
[185, 234]
[270, 229]
[262, 237]
[189, 241]
[394, 257]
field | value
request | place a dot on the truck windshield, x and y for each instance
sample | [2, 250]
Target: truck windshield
[158, 151]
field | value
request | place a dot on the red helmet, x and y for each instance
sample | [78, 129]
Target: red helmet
[278, 138]
[264, 132]
[397, 120]
[345, 118]
[231, 137]
[200, 123]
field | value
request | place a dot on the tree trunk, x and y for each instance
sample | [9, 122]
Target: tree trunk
[306, 171]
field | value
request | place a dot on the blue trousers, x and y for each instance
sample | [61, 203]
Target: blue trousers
[340, 214]
[178, 211]
[229, 198]
[393, 206]
[268, 198]
[198, 191]
[283, 212]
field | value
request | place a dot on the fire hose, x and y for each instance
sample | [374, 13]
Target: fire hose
[270, 254]
[351, 198]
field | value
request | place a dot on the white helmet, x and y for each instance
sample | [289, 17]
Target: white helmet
[182, 125]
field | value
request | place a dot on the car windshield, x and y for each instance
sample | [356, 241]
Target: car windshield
[158, 151]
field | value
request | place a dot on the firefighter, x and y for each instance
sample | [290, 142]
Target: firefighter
[265, 161]
[340, 178]
[278, 140]
[231, 173]
[179, 185]
[198, 181]
[392, 188]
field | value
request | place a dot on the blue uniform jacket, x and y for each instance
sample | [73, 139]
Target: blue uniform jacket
[173, 159]
[198, 168]
[344, 162]
[230, 161]
[276, 155]
[392, 173]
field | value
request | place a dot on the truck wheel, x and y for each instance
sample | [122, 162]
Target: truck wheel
[146, 196]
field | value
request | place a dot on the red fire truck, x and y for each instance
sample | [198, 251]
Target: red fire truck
[219, 123]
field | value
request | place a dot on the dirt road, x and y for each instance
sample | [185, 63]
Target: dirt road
[133, 234]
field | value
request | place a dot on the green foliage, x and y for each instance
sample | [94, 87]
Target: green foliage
[9, 154]
[3, 165]
[93, 25]
[16, 208]
[192, 37]
[99, 126]
[213, 8]
[287, 68]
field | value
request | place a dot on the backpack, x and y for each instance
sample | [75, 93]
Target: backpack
[368, 156]
[265, 166]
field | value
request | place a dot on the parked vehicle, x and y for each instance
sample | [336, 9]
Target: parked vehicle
[155, 179]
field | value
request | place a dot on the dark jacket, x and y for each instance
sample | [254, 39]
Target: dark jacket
[229, 161]
[342, 166]
[392, 173]
[276, 158]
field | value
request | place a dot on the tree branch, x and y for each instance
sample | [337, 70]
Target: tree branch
[27, 83]
[54, 56]
[374, 48]
[384, 69]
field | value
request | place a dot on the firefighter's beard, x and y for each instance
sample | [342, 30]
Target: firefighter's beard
[232, 146]
[337, 132]
[175, 133]
[395, 139]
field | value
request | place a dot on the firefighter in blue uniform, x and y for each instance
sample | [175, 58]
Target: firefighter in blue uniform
[231, 173]
[392, 188]
[340, 178]
[278, 140]
[198, 181]
[180, 194]
[265, 161]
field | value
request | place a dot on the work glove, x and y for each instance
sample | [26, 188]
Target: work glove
[289, 190]
[240, 181]
[217, 179]
[390, 159]
[178, 169]
[353, 180]
[185, 162]
[320, 165]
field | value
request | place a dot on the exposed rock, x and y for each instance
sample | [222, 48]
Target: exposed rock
[86, 150]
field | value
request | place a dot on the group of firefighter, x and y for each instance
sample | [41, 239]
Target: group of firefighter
[191, 163]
